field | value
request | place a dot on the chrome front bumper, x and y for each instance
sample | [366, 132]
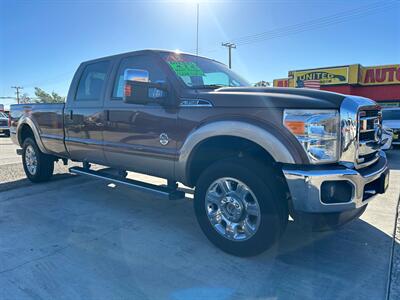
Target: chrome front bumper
[305, 185]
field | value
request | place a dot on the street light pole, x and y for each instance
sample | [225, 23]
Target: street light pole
[230, 46]
[197, 31]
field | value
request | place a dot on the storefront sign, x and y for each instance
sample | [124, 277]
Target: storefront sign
[389, 74]
[328, 76]
[281, 82]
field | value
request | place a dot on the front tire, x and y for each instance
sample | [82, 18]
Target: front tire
[240, 207]
[38, 166]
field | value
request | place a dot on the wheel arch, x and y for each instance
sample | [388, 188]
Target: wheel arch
[257, 139]
[27, 128]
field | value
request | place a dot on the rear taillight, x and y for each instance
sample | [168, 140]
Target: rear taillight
[9, 120]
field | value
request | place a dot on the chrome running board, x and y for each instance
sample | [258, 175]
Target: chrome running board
[169, 193]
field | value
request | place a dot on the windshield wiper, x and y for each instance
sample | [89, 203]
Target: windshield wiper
[208, 86]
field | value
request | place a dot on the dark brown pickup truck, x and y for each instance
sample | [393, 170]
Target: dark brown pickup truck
[254, 155]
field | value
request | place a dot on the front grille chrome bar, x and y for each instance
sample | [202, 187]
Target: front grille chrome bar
[359, 118]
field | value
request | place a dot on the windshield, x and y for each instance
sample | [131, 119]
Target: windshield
[391, 114]
[199, 72]
[3, 115]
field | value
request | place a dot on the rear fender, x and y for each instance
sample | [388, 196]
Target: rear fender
[25, 120]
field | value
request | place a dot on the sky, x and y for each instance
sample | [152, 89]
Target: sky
[43, 42]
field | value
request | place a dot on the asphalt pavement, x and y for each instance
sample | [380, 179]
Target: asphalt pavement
[78, 238]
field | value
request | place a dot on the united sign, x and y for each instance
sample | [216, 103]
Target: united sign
[328, 76]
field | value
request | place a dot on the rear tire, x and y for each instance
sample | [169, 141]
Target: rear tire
[228, 210]
[38, 166]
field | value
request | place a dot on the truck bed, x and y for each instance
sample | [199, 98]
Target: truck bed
[48, 120]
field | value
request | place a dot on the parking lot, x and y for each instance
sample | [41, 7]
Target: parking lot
[80, 238]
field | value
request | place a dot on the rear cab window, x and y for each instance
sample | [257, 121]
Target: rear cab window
[92, 81]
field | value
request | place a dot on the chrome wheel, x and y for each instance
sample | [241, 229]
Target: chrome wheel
[232, 209]
[31, 160]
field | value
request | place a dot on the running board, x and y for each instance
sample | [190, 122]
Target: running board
[169, 193]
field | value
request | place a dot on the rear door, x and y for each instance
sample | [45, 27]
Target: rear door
[83, 117]
[140, 137]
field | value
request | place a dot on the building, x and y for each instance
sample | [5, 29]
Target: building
[380, 83]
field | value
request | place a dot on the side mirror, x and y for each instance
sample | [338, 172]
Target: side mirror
[138, 89]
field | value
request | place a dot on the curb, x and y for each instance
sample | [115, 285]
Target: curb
[392, 269]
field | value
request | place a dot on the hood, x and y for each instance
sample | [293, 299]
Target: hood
[394, 124]
[273, 98]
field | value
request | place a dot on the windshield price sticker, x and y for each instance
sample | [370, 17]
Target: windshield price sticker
[182, 68]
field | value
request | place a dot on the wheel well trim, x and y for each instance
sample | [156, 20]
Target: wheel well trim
[26, 121]
[253, 133]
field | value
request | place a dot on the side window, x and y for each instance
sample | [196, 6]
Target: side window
[143, 62]
[216, 78]
[92, 81]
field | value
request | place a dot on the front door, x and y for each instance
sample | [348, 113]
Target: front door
[139, 137]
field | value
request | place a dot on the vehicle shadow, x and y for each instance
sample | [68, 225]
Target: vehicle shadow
[351, 262]
[131, 242]
[24, 182]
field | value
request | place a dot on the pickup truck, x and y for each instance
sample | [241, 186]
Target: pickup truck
[4, 129]
[391, 119]
[252, 155]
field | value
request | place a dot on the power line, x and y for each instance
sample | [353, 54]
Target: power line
[312, 24]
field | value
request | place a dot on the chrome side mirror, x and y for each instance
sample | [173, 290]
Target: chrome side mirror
[137, 75]
[139, 90]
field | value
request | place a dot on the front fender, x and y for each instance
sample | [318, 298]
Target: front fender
[261, 136]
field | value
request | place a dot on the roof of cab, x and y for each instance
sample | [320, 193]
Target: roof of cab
[144, 51]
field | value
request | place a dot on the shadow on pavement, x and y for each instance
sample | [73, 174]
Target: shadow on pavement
[135, 245]
[6, 186]
[393, 157]
[351, 262]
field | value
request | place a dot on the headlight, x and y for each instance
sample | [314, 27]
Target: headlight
[317, 131]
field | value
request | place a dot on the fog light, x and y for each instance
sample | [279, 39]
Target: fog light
[336, 192]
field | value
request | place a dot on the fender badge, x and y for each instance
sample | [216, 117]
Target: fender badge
[164, 139]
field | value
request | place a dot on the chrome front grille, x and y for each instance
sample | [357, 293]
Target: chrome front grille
[360, 123]
[3, 122]
[369, 135]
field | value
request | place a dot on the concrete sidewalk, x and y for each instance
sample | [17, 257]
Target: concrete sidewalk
[74, 239]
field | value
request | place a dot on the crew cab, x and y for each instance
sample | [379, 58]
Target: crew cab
[252, 155]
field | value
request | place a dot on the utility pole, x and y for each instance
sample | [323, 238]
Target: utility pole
[230, 46]
[17, 88]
